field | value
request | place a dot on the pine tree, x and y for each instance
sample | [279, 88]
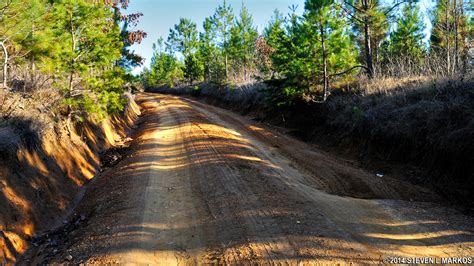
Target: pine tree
[165, 69]
[193, 68]
[17, 18]
[369, 20]
[76, 45]
[129, 59]
[274, 27]
[310, 50]
[208, 51]
[449, 36]
[335, 46]
[85, 47]
[407, 38]
[223, 20]
[242, 43]
[183, 38]
[286, 40]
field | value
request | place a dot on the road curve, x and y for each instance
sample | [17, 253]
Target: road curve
[203, 185]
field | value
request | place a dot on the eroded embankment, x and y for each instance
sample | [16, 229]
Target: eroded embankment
[43, 167]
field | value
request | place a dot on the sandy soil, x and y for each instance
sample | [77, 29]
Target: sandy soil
[203, 185]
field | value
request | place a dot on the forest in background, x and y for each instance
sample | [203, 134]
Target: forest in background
[333, 44]
[80, 50]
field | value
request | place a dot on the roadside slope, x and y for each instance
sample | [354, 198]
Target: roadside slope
[44, 168]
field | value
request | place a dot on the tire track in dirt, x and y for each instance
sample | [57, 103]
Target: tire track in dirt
[338, 209]
[231, 182]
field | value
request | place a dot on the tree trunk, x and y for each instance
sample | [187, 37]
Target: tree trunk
[368, 51]
[448, 46]
[5, 65]
[71, 79]
[245, 68]
[367, 43]
[226, 68]
[455, 29]
[464, 50]
[325, 63]
[33, 71]
[375, 52]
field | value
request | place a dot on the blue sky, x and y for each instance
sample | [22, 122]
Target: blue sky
[161, 15]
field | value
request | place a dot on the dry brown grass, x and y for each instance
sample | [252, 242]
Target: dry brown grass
[39, 108]
[389, 85]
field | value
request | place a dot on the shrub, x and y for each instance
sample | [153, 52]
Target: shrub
[196, 91]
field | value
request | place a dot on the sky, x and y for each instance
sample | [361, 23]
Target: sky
[161, 15]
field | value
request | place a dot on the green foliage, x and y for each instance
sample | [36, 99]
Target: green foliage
[243, 37]
[274, 28]
[85, 44]
[114, 101]
[442, 20]
[165, 69]
[77, 45]
[183, 37]
[196, 91]
[210, 53]
[130, 59]
[222, 21]
[298, 49]
[407, 38]
[369, 22]
[74, 46]
[81, 47]
[193, 68]
[16, 20]
[22, 26]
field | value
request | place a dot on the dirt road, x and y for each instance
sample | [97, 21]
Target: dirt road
[203, 185]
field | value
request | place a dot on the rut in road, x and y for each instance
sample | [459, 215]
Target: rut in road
[206, 186]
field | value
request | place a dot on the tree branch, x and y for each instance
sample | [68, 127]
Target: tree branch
[395, 6]
[348, 70]
[349, 13]
[356, 8]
